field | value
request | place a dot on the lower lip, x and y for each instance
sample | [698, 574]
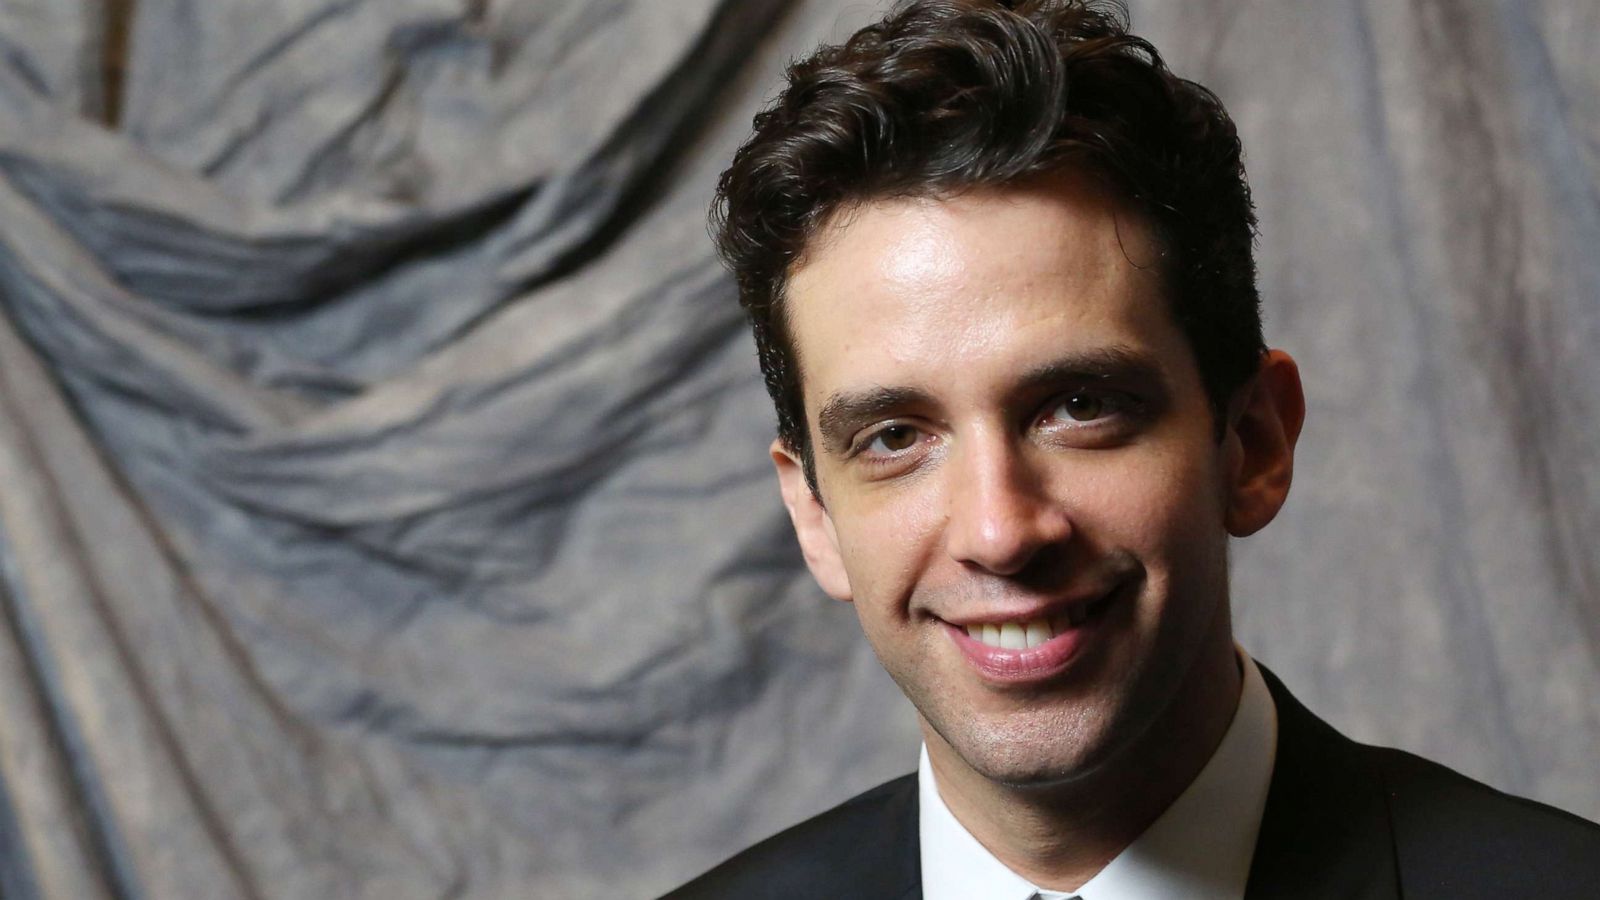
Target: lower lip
[1034, 664]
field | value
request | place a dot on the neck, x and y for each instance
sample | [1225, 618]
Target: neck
[1060, 836]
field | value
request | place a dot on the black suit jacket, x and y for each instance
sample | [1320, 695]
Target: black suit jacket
[1343, 820]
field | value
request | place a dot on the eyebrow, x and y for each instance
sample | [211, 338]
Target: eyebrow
[847, 412]
[1115, 361]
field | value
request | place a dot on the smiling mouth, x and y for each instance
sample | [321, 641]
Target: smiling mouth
[1024, 653]
[1035, 632]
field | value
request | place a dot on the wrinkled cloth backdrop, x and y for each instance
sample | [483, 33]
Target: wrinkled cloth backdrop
[384, 506]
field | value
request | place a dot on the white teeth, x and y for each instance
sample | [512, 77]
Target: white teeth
[1013, 635]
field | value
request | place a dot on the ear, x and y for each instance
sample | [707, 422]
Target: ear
[1263, 424]
[818, 541]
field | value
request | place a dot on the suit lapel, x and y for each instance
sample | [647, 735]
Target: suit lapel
[1326, 830]
[903, 877]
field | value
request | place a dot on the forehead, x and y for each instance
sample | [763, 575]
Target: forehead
[952, 294]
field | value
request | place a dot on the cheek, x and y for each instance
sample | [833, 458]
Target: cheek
[1175, 515]
[1158, 505]
[888, 542]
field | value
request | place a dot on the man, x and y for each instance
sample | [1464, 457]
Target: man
[998, 261]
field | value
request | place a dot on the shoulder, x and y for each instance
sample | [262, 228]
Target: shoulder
[864, 847]
[1385, 823]
[1455, 834]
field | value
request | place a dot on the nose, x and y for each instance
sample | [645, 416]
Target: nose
[1000, 514]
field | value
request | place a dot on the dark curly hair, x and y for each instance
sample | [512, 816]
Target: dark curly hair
[946, 95]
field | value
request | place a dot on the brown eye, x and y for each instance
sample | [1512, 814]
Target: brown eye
[895, 438]
[1083, 407]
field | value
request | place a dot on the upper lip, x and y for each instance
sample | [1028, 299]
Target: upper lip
[1033, 611]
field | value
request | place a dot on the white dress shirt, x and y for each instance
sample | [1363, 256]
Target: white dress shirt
[1199, 849]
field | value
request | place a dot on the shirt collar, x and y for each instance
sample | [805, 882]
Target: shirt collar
[1199, 849]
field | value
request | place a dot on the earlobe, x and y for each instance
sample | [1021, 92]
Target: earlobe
[1261, 436]
[819, 543]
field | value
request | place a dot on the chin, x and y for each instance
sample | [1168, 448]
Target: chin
[1040, 750]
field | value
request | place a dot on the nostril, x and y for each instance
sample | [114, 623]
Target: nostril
[1009, 546]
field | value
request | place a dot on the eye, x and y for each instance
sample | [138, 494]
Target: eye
[1096, 414]
[1081, 406]
[892, 439]
[890, 449]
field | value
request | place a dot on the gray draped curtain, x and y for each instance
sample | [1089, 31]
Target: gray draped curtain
[384, 506]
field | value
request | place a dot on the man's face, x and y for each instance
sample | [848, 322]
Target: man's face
[1011, 436]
